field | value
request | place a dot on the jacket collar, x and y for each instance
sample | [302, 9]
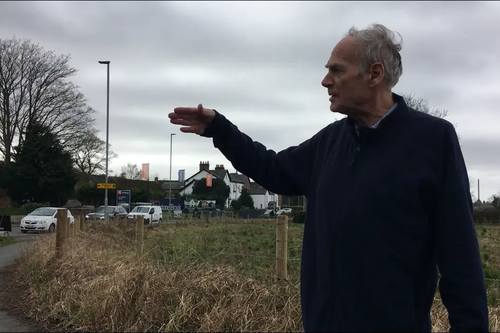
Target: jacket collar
[361, 133]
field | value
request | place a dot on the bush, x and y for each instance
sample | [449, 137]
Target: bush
[299, 216]
[31, 206]
[489, 216]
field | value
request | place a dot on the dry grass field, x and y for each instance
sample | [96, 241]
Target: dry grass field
[203, 276]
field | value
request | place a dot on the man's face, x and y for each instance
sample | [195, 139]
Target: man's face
[348, 89]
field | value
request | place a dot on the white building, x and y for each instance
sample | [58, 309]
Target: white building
[235, 181]
[262, 198]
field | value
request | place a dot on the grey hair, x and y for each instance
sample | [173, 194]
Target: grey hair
[378, 44]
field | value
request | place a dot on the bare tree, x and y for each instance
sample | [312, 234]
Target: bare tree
[422, 105]
[34, 86]
[131, 171]
[154, 176]
[90, 154]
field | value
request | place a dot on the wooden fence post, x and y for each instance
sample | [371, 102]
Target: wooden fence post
[281, 247]
[81, 218]
[139, 227]
[77, 224]
[61, 231]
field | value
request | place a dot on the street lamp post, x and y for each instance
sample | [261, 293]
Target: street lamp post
[170, 179]
[107, 140]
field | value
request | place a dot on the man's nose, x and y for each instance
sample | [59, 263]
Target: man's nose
[326, 82]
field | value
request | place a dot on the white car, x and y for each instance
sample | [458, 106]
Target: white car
[152, 214]
[284, 211]
[42, 219]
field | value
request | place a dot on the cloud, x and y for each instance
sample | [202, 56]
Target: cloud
[261, 65]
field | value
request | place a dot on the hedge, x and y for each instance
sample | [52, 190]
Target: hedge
[487, 216]
[481, 216]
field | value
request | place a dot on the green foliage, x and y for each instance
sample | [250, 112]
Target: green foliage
[219, 191]
[41, 171]
[31, 206]
[496, 201]
[245, 199]
[4, 241]
[236, 205]
[489, 216]
[299, 216]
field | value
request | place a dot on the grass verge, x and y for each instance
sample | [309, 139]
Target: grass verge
[6, 241]
[203, 276]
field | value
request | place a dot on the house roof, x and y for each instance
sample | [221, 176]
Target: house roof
[238, 178]
[220, 173]
[175, 185]
[256, 189]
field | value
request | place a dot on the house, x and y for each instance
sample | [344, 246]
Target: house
[235, 181]
[173, 185]
[262, 198]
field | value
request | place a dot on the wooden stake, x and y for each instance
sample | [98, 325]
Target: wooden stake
[82, 220]
[61, 231]
[281, 247]
[77, 225]
[139, 227]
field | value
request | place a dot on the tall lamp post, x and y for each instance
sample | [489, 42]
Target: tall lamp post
[107, 140]
[170, 179]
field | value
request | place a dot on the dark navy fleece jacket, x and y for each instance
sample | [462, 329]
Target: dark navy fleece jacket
[386, 208]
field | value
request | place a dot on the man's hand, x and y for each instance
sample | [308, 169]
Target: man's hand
[193, 120]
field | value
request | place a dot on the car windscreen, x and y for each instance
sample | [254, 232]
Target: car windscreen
[141, 209]
[43, 212]
[100, 210]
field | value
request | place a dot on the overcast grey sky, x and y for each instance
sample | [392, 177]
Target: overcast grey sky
[261, 64]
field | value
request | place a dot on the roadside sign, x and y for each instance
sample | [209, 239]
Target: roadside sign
[123, 198]
[110, 186]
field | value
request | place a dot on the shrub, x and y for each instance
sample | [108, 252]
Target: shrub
[490, 216]
[299, 216]
[31, 206]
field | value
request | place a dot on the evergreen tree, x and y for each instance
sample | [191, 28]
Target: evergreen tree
[42, 170]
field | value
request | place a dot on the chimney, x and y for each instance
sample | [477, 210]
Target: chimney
[219, 167]
[204, 166]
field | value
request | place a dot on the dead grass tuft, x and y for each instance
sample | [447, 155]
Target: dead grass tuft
[99, 285]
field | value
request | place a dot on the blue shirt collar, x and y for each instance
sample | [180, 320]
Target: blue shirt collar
[387, 113]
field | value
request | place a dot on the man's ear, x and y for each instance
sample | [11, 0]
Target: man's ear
[376, 74]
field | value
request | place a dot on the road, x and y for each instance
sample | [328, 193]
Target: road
[8, 256]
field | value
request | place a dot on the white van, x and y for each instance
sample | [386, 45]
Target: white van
[152, 214]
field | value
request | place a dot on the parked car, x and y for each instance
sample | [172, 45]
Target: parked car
[42, 219]
[114, 212]
[284, 211]
[152, 214]
[269, 213]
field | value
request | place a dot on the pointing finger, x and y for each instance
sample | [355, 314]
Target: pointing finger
[186, 110]
[183, 122]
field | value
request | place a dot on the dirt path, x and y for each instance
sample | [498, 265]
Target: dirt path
[8, 322]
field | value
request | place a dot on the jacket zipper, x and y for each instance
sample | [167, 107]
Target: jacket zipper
[358, 149]
[348, 185]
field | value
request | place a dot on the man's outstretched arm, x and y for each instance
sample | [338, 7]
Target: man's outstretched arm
[286, 172]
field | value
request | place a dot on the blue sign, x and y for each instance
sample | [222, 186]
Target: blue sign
[123, 198]
[176, 204]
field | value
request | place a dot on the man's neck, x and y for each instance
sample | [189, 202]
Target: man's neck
[371, 114]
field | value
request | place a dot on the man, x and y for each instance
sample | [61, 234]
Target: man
[388, 200]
